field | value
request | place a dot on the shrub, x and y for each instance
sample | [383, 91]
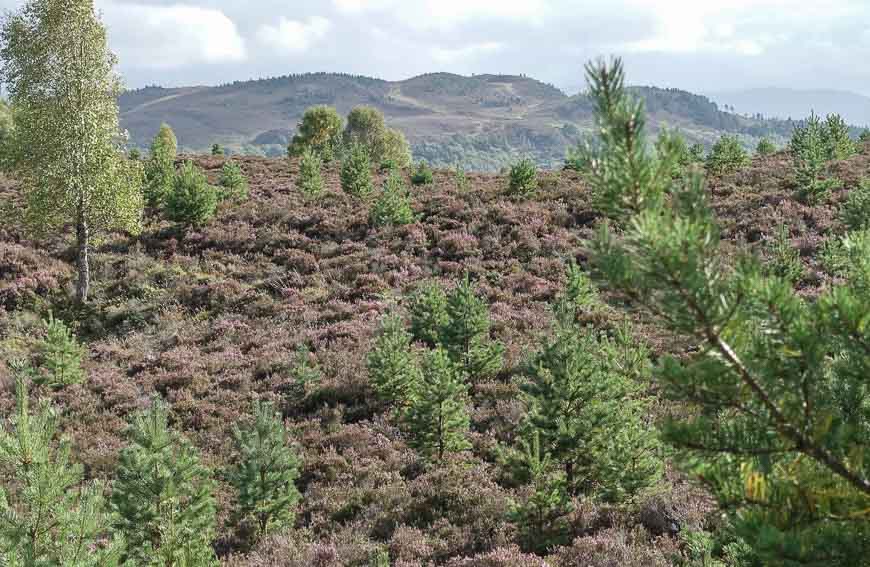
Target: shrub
[319, 132]
[162, 496]
[422, 174]
[697, 152]
[784, 259]
[765, 147]
[394, 149]
[160, 167]
[393, 205]
[233, 183]
[855, 211]
[134, 154]
[310, 180]
[60, 355]
[266, 471]
[523, 178]
[217, 150]
[460, 178]
[192, 200]
[356, 173]
[726, 156]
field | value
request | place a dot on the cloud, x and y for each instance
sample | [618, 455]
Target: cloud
[172, 36]
[447, 55]
[446, 14]
[291, 36]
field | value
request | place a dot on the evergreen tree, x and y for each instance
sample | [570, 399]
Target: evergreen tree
[810, 152]
[356, 173]
[466, 334]
[785, 259]
[319, 132]
[590, 416]
[217, 150]
[864, 137]
[393, 205]
[310, 181]
[765, 147]
[422, 174]
[523, 178]
[233, 183]
[162, 496]
[265, 472]
[429, 317]
[60, 77]
[60, 355]
[392, 364]
[775, 394]
[437, 416]
[192, 200]
[579, 294]
[726, 156]
[855, 212]
[48, 514]
[838, 144]
[160, 167]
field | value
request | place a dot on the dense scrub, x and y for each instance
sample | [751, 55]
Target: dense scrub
[280, 285]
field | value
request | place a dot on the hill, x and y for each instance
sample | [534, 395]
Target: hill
[482, 122]
[210, 319]
[797, 104]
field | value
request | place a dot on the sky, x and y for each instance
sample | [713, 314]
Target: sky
[699, 45]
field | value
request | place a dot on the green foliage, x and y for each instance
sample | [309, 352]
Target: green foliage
[466, 336]
[60, 355]
[810, 151]
[366, 127]
[765, 147]
[837, 141]
[437, 415]
[590, 415]
[777, 426]
[392, 364]
[523, 178]
[864, 136]
[541, 517]
[429, 316]
[855, 211]
[233, 183]
[217, 150]
[318, 132]
[192, 200]
[726, 156]
[310, 181]
[48, 514]
[422, 174]
[393, 205]
[395, 149]
[356, 173]
[672, 147]
[784, 259]
[460, 178]
[160, 167]
[134, 154]
[579, 295]
[697, 153]
[265, 471]
[162, 496]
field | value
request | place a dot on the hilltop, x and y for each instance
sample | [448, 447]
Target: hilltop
[482, 122]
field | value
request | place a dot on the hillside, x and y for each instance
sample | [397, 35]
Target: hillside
[482, 122]
[210, 319]
[797, 104]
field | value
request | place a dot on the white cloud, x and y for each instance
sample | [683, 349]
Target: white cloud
[172, 36]
[445, 14]
[291, 36]
[448, 55]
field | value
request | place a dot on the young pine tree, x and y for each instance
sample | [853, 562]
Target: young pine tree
[775, 394]
[48, 514]
[60, 355]
[839, 145]
[765, 147]
[810, 153]
[429, 316]
[233, 183]
[160, 167]
[217, 150]
[162, 496]
[726, 156]
[393, 205]
[466, 336]
[356, 173]
[393, 366]
[192, 201]
[60, 78]
[523, 178]
[437, 416]
[266, 471]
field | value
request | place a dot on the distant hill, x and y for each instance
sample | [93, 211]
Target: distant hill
[797, 104]
[481, 122]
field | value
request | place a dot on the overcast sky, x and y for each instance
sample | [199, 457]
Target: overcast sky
[698, 45]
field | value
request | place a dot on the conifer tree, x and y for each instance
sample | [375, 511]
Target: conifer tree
[310, 181]
[726, 156]
[160, 167]
[392, 364]
[775, 393]
[233, 183]
[579, 294]
[429, 317]
[48, 514]
[765, 147]
[60, 355]
[810, 151]
[265, 472]
[162, 496]
[437, 416]
[393, 205]
[590, 416]
[356, 173]
[60, 77]
[839, 145]
[192, 200]
[217, 150]
[466, 336]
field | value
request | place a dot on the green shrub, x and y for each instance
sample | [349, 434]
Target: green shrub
[393, 205]
[319, 132]
[765, 147]
[356, 173]
[422, 174]
[864, 137]
[784, 259]
[217, 150]
[523, 178]
[810, 151]
[192, 200]
[855, 211]
[460, 178]
[310, 181]
[837, 141]
[233, 183]
[697, 152]
[60, 355]
[134, 154]
[726, 156]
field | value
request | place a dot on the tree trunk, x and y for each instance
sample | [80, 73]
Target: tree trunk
[83, 241]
